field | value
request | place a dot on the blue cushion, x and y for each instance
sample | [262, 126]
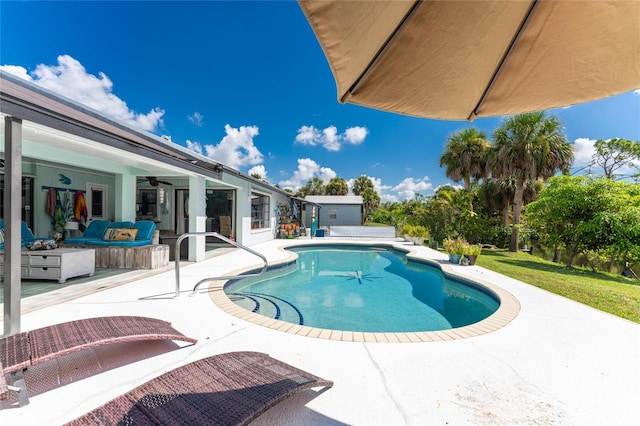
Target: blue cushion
[113, 243]
[145, 228]
[96, 228]
[26, 236]
[26, 233]
[121, 224]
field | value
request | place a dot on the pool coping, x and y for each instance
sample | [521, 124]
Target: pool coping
[506, 312]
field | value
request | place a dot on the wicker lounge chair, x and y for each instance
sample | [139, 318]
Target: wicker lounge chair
[228, 389]
[22, 350]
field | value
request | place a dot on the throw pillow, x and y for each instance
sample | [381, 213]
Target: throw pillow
[120, 234]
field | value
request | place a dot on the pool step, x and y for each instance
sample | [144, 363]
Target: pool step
[268, 305]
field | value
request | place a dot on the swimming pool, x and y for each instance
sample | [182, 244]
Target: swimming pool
[362, 289]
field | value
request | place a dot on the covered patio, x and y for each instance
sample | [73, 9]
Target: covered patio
[51, 143]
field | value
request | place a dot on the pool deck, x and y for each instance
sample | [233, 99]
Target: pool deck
[555, 362]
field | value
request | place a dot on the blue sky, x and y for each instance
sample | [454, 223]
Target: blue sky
[247, 84]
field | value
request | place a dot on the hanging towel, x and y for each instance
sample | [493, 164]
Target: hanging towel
[80, 208]
[58, 215]
[67, 206]
[50, 205]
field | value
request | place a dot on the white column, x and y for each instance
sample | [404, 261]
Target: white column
[12, 223]
[197, 217]
[125, 197]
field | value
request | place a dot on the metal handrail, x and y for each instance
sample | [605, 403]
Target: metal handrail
[223, 238]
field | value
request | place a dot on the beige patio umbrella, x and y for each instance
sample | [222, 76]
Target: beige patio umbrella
[458, 60]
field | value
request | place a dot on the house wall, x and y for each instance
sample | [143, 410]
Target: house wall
[242, 210]
[244, 234]
[346, 215]
[48, 175]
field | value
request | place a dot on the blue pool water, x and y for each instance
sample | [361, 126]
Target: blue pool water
[355, 288]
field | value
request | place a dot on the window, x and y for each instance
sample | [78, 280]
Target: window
[27, 199]
[333, 214]
[96, 201]
[146, 204]
[259, 210]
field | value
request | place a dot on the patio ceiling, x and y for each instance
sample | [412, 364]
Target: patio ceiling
[47, 144]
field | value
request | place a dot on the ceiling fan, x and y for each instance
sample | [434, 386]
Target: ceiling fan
[153, 181]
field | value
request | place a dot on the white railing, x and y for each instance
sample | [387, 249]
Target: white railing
[223, 238]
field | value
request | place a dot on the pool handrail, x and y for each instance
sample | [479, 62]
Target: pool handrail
[223, 238]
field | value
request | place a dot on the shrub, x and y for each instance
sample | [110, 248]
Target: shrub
[473, 249]
[418, 231]
[455, 245]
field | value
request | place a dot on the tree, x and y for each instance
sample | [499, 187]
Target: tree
[589, 214]
[361, 184]
[336, 186]
[314, 186]
[528, 147]
[370, 200]
[464, 156]
[497, 195]
[364, 186]
[615, 154]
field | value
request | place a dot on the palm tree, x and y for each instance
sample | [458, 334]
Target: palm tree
[336, 186]
[371, 201]
[361, 184]
[528, 147]
[498, 195]
[314, 186]
[464, 156]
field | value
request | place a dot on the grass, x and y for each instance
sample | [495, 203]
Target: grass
[610, 293]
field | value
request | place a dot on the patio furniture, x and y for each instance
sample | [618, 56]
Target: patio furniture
[95, 230]
[26, 236]
[56, 264]
[123, 244]
[117, 234]
[228, 389]
[22, 350]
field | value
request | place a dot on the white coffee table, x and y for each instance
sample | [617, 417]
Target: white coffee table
[57, 264]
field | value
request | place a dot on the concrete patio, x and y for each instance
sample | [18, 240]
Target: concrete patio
[556, 362]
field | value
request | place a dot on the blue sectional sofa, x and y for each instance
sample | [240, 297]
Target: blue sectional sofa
[116, 234]
[26, 235]
[123, 244]
[94, 232]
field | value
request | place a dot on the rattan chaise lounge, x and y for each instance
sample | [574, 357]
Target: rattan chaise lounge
[22, 350]
[228, 389]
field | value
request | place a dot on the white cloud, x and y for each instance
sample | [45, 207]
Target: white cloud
[377, 185]
[356, 135]
[196, 118]
[407, 189]
[329, 138]
[16, 70]
[260, 170]
[307, 169]
[235, 150]
[194, 146]
[71, 80]
[583, 150]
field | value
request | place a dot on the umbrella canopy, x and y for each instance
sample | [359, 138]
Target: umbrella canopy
[457, 60]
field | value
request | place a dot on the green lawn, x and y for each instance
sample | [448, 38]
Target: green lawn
[610, 293]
